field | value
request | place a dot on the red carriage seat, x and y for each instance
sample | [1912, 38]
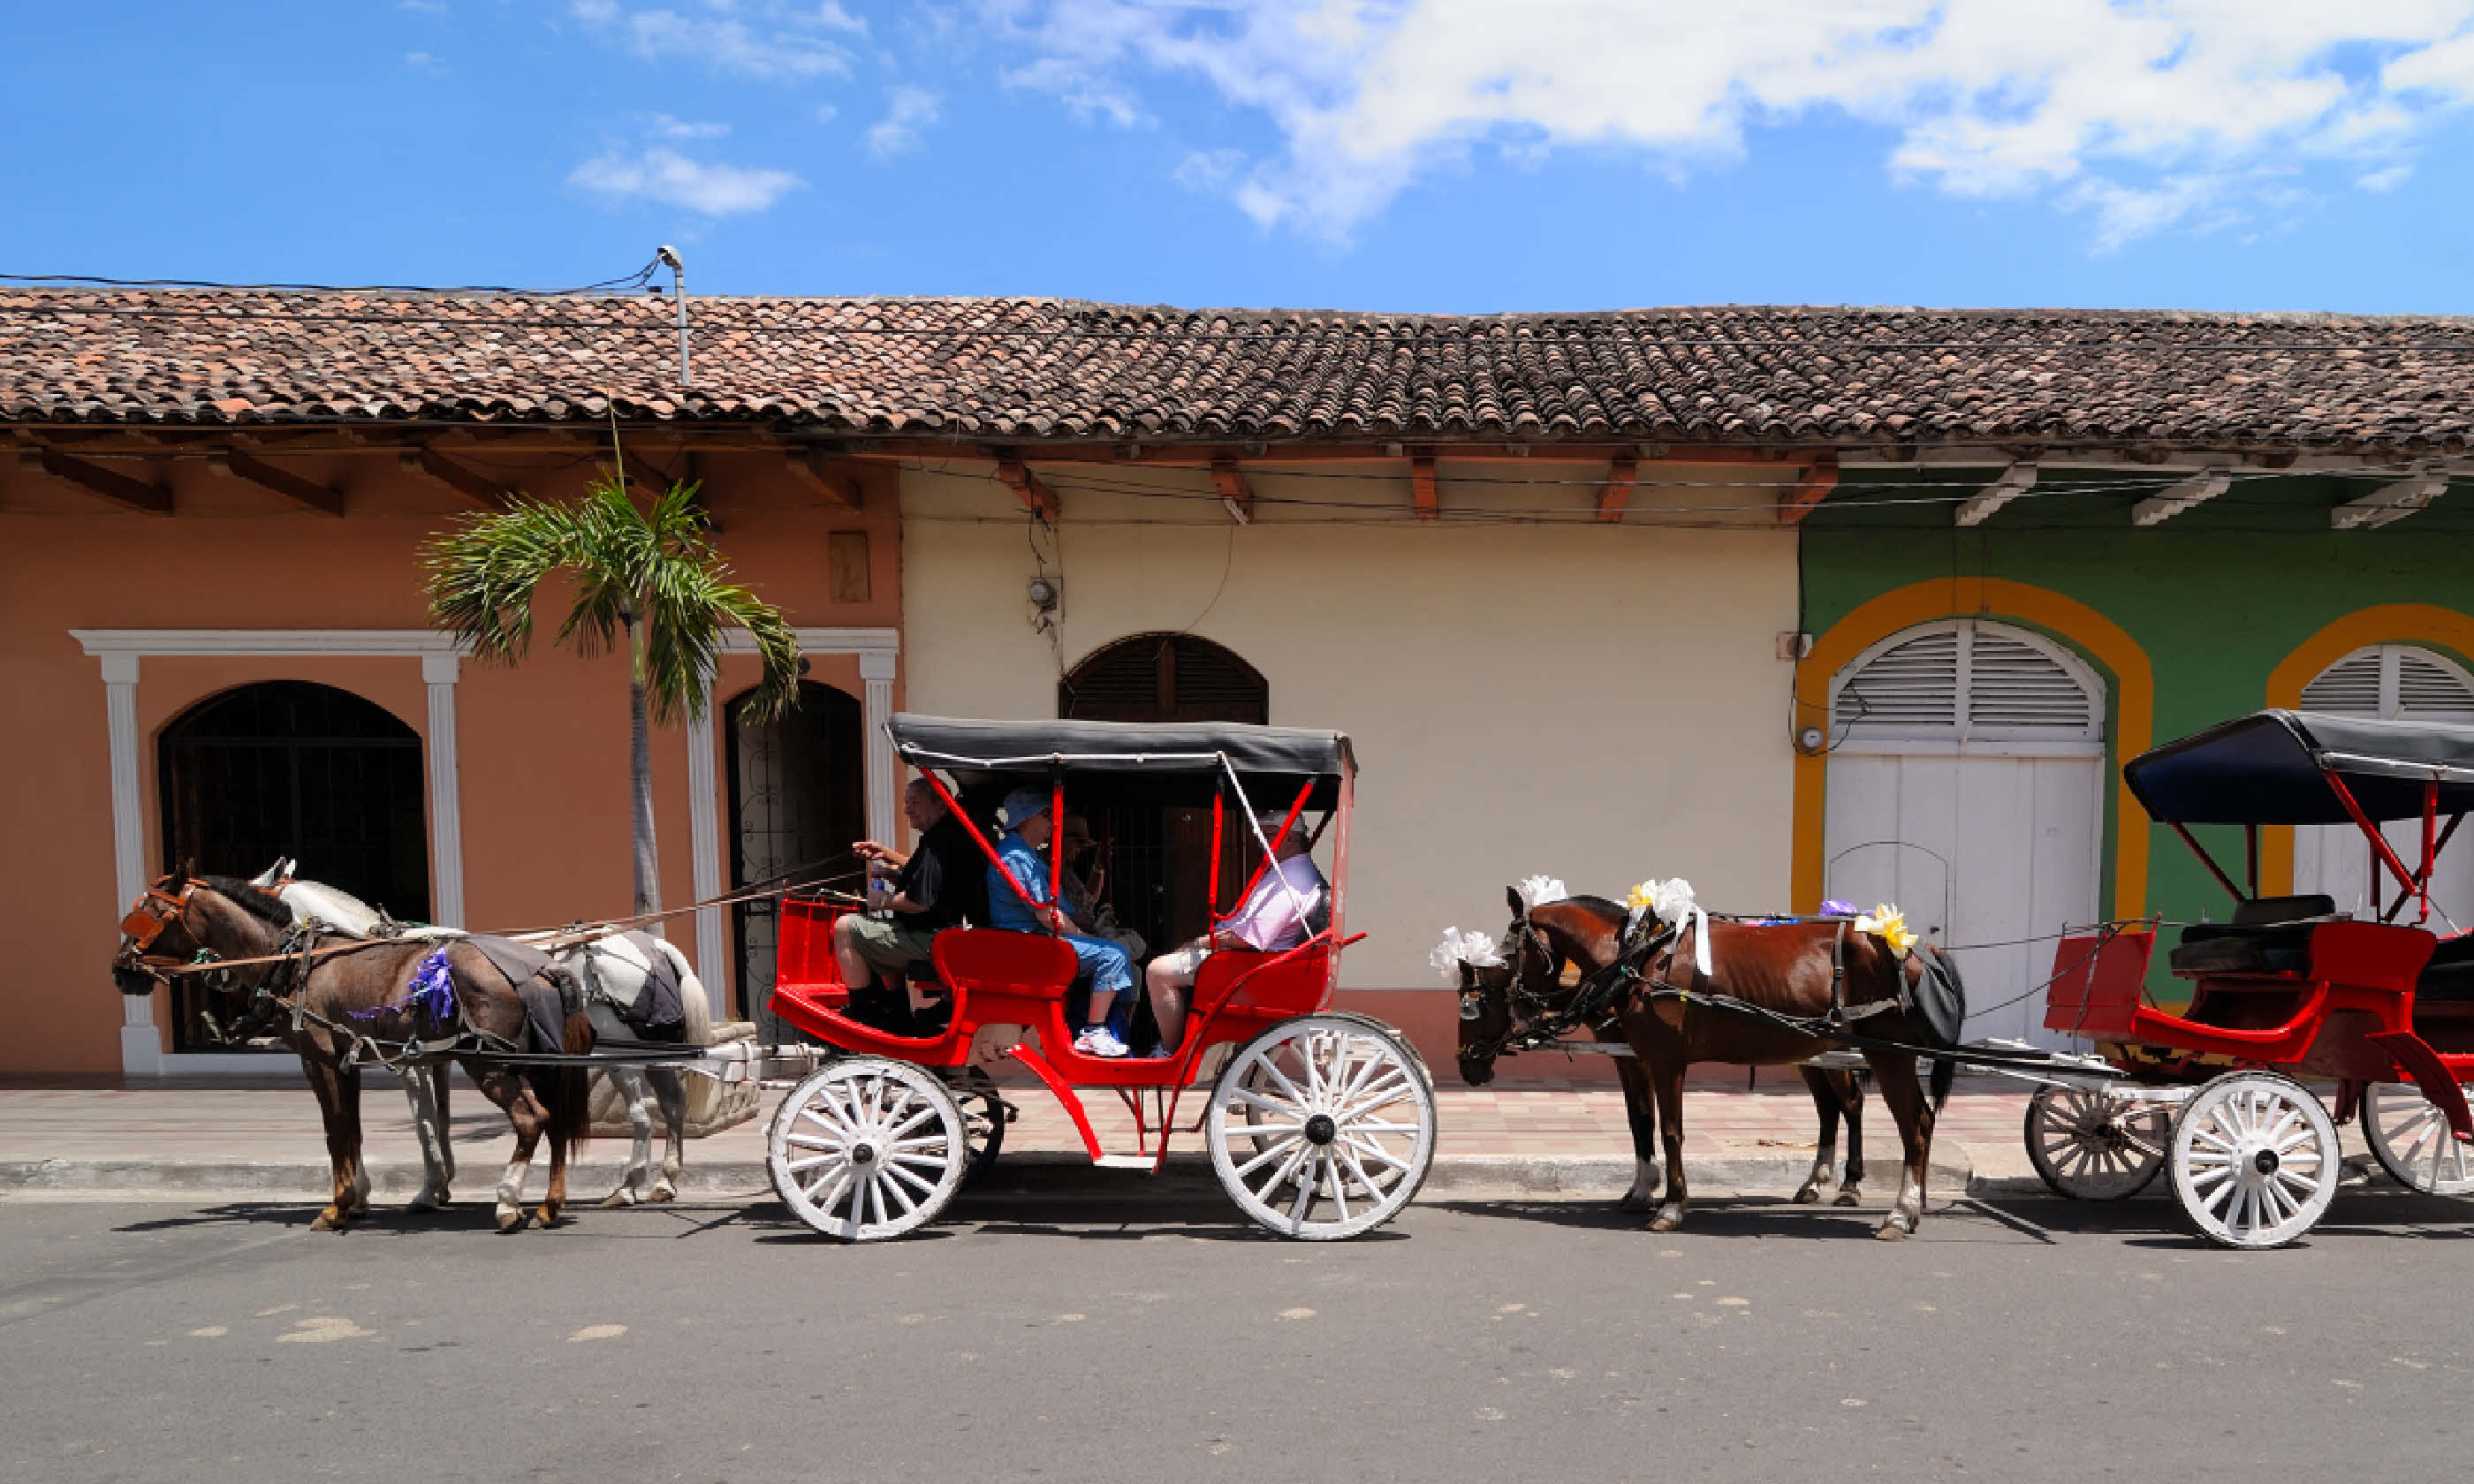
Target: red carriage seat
[983, 961]
[1288, 984]
[804, 965]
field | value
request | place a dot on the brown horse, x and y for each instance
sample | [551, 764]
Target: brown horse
[360, 990]
[1786, 969]
[1576, 938]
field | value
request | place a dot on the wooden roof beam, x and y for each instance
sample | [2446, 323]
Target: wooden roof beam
[1234, 492]
[2174, 499]
[234, 463]
[1615, 495]
[810, 468]
[1979, 507]
[431, 465]
[1810, 488]
[1029, 488]
[113, 485]
[1421, 485]
[2389, 503]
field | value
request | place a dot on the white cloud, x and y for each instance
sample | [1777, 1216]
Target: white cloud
[912, 109]
[2153, 115]
[781, 46]
[668, 177]
[424, 63]
[1209, 170]
[833, 17]
[426, 6]
[664, 126]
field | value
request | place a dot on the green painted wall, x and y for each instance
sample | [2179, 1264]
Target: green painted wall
[2217, 596]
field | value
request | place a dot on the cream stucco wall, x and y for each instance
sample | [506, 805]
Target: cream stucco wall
[1601, 702]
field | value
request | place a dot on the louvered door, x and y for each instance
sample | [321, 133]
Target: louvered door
[1965, 785]
[2396, 683]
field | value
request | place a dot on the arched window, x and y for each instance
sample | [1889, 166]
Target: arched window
[1156, 857]
[1165, 678]
[291, 768]
[2393, 682]
[797, 785]
[1967, 681]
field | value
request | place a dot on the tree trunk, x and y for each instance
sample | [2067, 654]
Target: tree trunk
[640, 787]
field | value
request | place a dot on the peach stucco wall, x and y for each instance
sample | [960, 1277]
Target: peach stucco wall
[543, 748]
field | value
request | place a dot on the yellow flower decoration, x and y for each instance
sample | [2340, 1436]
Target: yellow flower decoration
[1640, 897]
[1890, 926]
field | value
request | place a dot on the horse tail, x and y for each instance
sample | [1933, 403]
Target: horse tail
[569, 1093]
[694, 1004]
[1945, 1072]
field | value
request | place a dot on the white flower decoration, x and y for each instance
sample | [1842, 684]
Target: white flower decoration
[1474, 947]
[1537, 891]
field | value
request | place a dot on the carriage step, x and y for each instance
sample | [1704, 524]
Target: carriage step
[1126, 1161]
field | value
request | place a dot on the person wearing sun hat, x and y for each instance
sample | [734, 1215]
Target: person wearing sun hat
[1028, 824]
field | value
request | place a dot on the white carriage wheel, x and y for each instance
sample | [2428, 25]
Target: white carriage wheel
[2411, 1138]
[2255, 1161]
[1322, 1127]
[868, 1148]
[2088, 1145]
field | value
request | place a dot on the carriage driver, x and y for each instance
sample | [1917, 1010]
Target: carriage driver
[1272, 920]
[1028, 826]
[936, 887]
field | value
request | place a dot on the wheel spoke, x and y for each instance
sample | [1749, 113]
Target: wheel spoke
[1254, 1099]
[923, 1186]
[1295, 1153]
[1277, 1150]
[1305, 1202]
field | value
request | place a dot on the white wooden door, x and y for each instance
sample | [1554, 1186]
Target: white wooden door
[1965, 785]
[2395, 681]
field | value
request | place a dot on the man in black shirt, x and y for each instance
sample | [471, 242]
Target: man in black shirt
[940, 884]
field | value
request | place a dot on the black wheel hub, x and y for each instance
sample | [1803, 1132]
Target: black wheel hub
[2264, 1161]
[862, 1154]
[1321, 1130]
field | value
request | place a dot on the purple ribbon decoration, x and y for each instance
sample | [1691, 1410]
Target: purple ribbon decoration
[432, 993]
[1835, 908]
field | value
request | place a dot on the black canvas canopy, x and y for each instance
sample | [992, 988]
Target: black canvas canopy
[2266, 769]
[992, 751]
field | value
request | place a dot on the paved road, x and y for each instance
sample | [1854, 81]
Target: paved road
[1472, 1340]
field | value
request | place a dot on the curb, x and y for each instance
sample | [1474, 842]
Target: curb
[1033, 1176]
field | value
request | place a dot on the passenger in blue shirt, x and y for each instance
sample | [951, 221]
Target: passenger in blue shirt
[1028, 827]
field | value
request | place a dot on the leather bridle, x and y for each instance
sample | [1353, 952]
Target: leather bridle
[153, 915]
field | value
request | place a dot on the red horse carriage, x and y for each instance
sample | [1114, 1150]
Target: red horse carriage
[2288, 988]
[1319, 1124]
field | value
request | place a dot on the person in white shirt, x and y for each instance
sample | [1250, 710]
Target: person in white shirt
[1271, 919]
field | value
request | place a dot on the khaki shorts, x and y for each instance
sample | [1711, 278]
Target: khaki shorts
[890, 945]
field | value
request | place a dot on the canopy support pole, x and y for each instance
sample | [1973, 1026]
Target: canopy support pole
[2381, 849]
[979, 839]
[2208, 860]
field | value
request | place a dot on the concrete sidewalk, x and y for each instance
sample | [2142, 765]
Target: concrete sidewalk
[147, 1139]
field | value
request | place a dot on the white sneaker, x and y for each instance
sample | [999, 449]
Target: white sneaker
[1099, 1040]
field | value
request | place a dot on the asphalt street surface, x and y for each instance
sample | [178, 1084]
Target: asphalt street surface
[1471, 1340]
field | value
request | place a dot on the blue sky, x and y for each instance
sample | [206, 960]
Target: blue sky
[1404, 155]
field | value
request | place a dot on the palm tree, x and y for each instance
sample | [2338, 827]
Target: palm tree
[647, 578]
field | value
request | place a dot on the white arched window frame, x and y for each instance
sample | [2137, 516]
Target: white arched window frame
[1968, 687]
[2394, 682]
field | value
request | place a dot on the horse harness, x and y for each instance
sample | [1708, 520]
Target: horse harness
[1535, 1023]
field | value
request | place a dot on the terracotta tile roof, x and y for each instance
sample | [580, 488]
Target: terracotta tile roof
[1033, 368]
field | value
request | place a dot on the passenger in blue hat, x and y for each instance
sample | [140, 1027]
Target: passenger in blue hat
[1027, 828]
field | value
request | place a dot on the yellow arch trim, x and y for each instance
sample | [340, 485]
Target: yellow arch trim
[2134, 705]
[2386, 623]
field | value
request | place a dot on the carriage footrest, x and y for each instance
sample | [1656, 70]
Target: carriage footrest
[1126, 1161]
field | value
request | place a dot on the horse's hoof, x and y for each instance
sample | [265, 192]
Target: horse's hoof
[547, 1218]
[1632, 1203]
[661, 1195]
[616, 1199]
[1808, 1195]
[1849, 1197]
[1891, 1231]
[330, 1220]
[510, 1222]
[1665, 1221]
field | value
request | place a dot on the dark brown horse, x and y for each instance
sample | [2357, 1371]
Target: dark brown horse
[1785, 969]
[361, 990]
[1578, 937]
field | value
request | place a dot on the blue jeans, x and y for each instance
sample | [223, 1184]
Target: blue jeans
[1106, 964]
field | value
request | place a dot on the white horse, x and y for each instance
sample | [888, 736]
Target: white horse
[618, 970]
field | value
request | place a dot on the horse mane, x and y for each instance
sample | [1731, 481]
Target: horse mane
[260, 904]
[1601, 904]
